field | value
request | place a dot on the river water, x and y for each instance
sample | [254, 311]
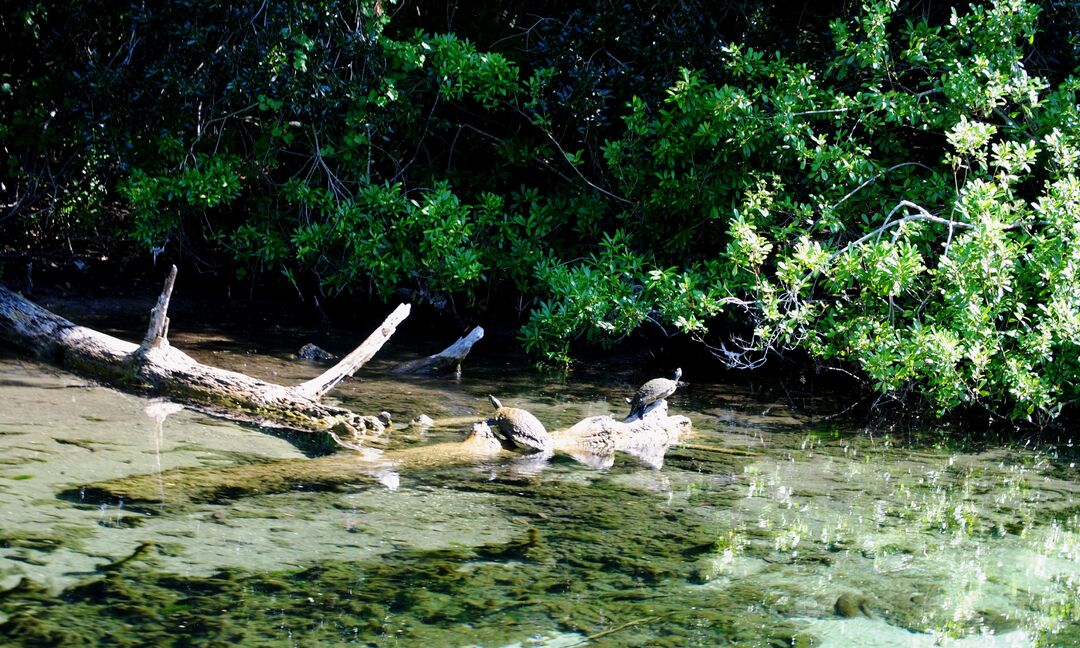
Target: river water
[765, 527]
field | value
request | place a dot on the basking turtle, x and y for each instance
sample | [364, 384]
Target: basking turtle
[522, 428]
[653, 391]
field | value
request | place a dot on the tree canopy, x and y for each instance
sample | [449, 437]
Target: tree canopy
[892, 185]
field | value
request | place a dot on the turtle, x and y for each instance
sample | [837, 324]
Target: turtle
[653, 391]
[520, 427]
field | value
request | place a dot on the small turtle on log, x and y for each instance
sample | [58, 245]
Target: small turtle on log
[653, 391]
[520, 427]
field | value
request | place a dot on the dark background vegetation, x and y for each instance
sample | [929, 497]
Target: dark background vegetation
[581, 174]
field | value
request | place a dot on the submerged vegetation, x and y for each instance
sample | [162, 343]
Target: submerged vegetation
[233, 537]
[887, 187]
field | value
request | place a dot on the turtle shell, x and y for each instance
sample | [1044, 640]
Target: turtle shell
[519, 426]
[654, 390]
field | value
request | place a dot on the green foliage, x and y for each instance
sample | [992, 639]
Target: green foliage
[885, 188]
[158, 202]
[946, 267]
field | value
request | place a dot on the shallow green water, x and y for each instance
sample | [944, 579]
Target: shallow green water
[764, 528]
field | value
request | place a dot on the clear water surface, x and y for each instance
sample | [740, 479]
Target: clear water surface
[125, 521]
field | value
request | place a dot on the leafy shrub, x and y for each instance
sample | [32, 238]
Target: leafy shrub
[887, 189]
[910, 206]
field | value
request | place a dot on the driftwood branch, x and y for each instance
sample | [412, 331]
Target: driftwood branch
[155, 367]
[596, 440]
[446, 361]
[318, 386]
[159, 321]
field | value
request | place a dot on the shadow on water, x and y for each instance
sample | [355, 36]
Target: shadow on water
[764, 528]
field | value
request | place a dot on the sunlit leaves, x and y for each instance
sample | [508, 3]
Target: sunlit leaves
[970, 139]
[902, 197]
[977, 306]
[747, 249]
[461, 70]
[158, 201]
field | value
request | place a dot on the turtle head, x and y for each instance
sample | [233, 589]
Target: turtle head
[678, 374]
[494, 402]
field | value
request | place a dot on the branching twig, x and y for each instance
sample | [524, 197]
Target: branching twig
[923, 215]
[873, 179]
[598, 635]
[581, 175]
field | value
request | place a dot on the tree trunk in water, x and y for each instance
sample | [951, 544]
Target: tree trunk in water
[155, 367]
[593, 441]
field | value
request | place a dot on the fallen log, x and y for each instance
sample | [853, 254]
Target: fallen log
[155, 367]
[446, 361]
[594, 441]
[180, 488]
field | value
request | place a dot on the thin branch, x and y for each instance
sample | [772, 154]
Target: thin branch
[420, 140]
[628, 624]
[873, 179]
[923, 215]
[159, 320]
[828, 111]
[545, 163]
[333, 183]
[316, 387]
[235, 113]
[524, 33]
[582, 175]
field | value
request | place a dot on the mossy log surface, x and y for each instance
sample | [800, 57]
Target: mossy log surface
[184, 487]
[594, 441]
[646, 436]
[157, 368]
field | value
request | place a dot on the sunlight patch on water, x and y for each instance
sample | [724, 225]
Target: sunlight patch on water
[844, 633]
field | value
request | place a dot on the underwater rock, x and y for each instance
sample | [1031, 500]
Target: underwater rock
[313, 352]
[851, 606]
